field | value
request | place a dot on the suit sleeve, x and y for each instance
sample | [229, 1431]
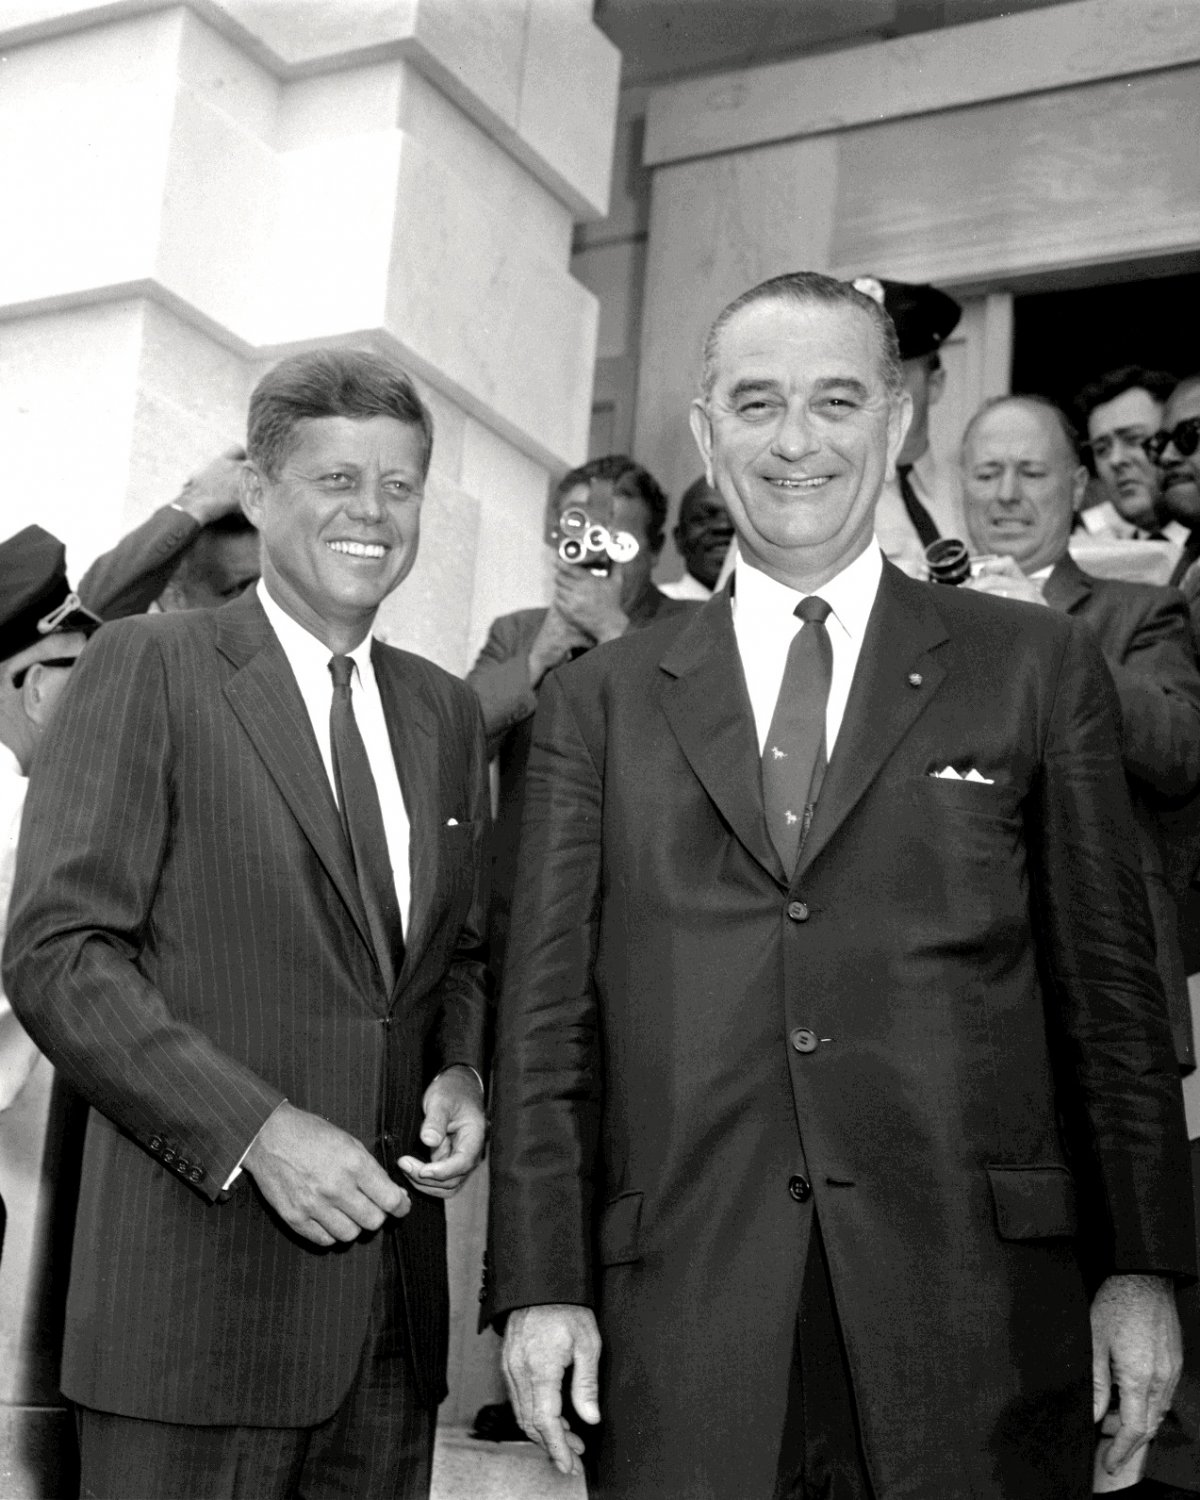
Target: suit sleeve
[500, 678]
[96, 827]
[1122, 1105]
[465, 1015]
[1158, 685]
[547, 1086]
[128, 579]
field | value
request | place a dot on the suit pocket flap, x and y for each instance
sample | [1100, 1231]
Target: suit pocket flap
[1033, 1203]
[619, 1230]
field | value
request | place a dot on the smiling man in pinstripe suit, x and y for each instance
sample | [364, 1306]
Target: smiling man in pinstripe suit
[247, 929]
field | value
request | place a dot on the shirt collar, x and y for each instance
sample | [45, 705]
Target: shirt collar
[303, 649]
[850, 594]
[9, 762]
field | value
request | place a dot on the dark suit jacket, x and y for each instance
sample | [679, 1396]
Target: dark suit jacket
[500, 677]
[1145, 635]
[972, 965]
[189, 946]
[127, 579]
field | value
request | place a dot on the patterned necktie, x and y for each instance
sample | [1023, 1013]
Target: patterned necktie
[793, 763]
[362, 820]
[923, 522]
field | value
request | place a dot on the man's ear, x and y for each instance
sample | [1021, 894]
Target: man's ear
[252, 494]
[1079, 484]
[900, 415]
[937, 384]
[34, 698]
[701, 424]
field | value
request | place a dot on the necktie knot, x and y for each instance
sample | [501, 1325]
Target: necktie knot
[813, 610]
[342, 670]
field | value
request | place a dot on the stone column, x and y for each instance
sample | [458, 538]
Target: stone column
[193, 190]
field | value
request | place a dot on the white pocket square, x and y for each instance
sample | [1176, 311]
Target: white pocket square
[451, 822]
[950, 774]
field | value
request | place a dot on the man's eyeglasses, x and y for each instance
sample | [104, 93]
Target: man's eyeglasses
[1184, 437]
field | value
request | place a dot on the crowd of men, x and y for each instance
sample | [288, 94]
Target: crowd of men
[842, 892]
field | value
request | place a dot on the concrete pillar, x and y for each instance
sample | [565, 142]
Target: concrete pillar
[193, 190]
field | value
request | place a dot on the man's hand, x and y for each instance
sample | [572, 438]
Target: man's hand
[1001, 576]
[589, 602]
[216, 490]
[555, 640]
[1136, 1346]
[321, 1182]
[455, 1128]
[540, 1344]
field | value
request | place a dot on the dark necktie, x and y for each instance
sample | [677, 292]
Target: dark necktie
[362, 820]
[923, 522]
[793, 763]
[1191, 551]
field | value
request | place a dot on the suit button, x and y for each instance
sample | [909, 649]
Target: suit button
[800, 1188]
[798, 911]
[197, 1174]
[156, 1143]
[168, 1157]
[804, 1040]
[182, 1164]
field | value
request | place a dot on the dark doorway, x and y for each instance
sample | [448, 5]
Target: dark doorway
[1062, 340]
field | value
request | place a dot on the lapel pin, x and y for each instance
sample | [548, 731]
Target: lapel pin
[915, 679]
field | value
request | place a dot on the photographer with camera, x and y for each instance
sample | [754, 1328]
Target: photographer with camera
[600, 592]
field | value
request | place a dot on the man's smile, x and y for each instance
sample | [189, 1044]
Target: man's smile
[373, 550]
[801, 482]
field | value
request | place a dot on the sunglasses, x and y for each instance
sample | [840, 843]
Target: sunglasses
[1184, 437]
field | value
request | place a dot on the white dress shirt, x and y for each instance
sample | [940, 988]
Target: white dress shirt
[17, 1052]
[686, 587]
[764, 623]
[309, 660]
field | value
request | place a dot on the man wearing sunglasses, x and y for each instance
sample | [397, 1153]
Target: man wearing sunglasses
[43, 628]
[1175, 450]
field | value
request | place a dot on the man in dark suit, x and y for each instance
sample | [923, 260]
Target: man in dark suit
[1022, 483]
[589, 605]
[247, 929]
[831, 1012]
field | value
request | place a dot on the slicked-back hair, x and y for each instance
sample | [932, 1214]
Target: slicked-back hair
[1040, 403]
[628, 479]
[806, 288]
[329, 383]
[1114, 383]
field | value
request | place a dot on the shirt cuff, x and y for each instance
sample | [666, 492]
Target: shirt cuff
[237, 1171]
[469, 1068]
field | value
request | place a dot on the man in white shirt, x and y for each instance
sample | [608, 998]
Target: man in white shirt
[248, 929]
[1119, 411]
[920, 501]
[828, 914]
[702, 534]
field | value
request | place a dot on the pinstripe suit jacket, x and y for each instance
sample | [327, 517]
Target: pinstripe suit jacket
[189, 947]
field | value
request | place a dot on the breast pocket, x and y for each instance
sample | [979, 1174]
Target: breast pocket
[978, 799]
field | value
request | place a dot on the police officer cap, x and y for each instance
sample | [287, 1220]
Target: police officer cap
[35, 599]
[924, 316]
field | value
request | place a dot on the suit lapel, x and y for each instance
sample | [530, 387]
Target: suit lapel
[895, 678]
[263, 695]
[1067, 587]
[412, 728]
[714, 725]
